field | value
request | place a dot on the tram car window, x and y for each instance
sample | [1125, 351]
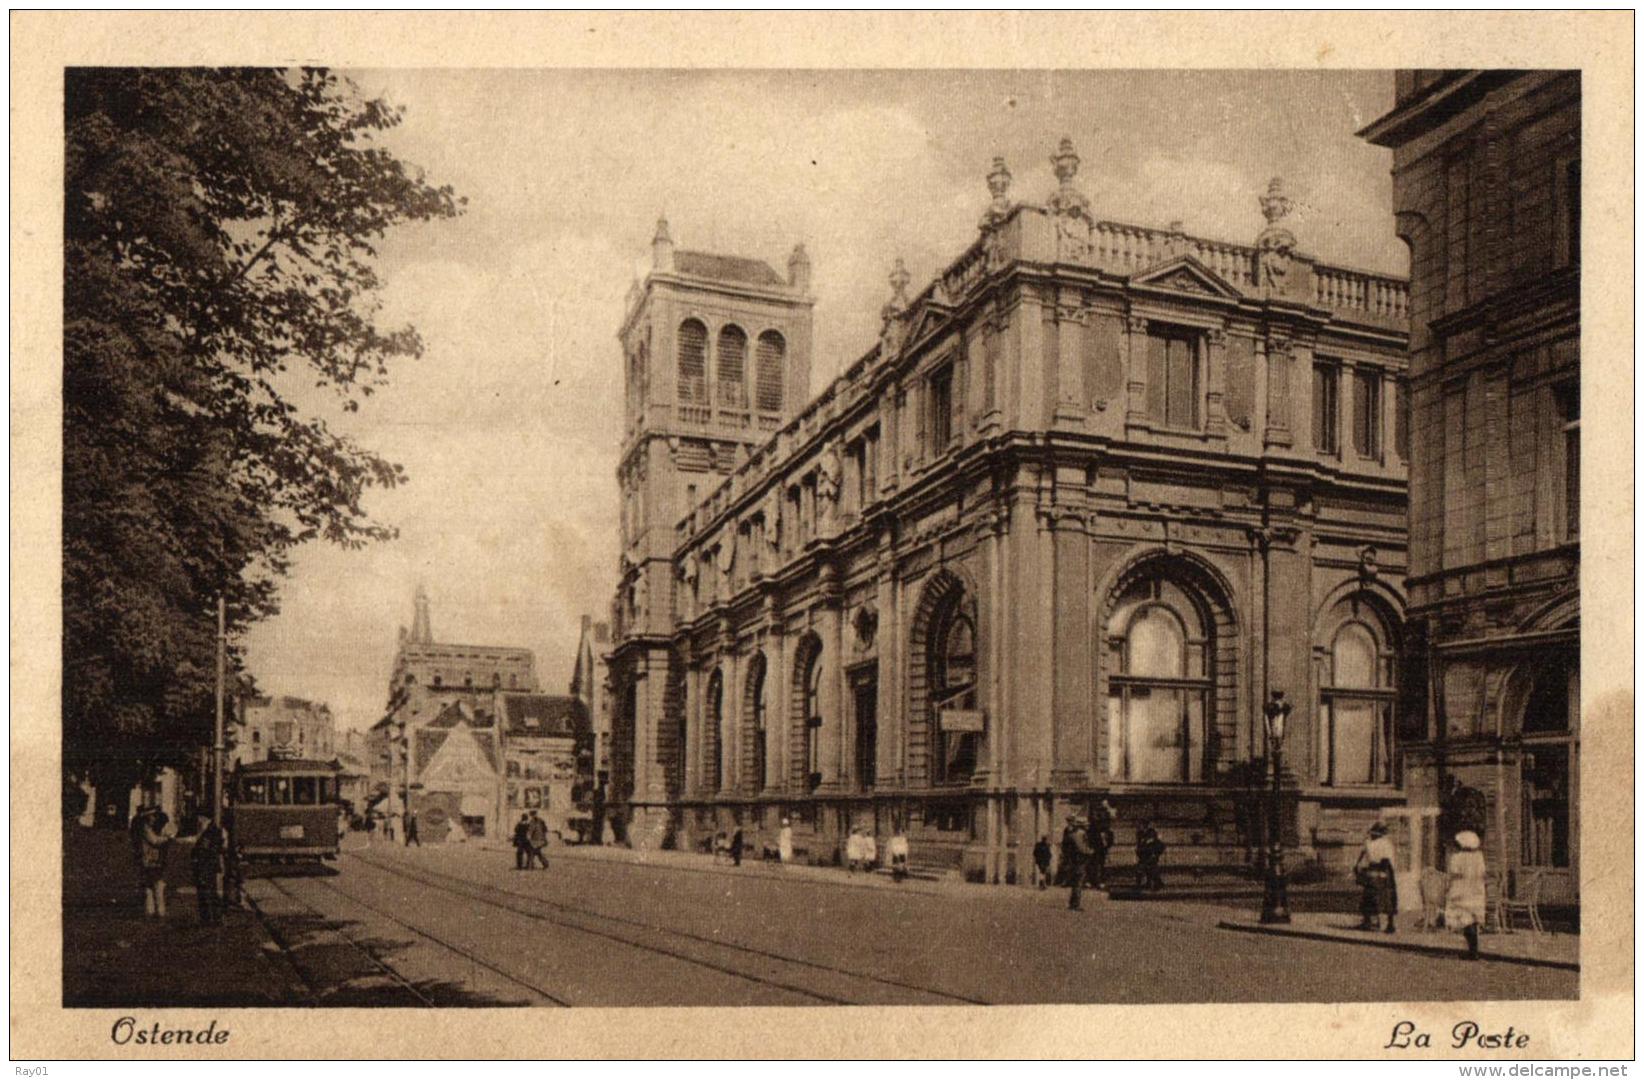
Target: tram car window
[286, 810]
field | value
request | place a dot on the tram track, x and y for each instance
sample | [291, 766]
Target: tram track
[442, 942]
[676, 944]
[280, 938]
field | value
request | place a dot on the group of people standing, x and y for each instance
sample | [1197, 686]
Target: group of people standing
[530, 842]
[1086, 842]
[1464, 897]
[212, 864]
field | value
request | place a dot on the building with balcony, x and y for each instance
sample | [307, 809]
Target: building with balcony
[1487, 193]
[1095, 493]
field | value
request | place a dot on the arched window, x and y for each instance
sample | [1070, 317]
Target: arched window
[810, 712]
[953, 695]
[716, 727]
[1159, 685]
[1356, 705]
[693, 363]
[731, 364]
[768, 377]
[756, 721]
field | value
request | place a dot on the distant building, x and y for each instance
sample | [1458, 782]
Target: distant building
[590, 684]
[442, 708]
[548, 754]
[1097, 489]
[288, 727]
[1487, 192]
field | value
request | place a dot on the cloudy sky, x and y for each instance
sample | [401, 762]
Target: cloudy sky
[508, 425]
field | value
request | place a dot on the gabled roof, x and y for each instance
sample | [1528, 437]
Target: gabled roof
[543, 715]
[726, 268]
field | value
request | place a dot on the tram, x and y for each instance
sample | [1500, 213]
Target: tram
[286, 810]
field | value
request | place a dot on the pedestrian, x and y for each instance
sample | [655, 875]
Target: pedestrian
[522, 843]
[736, 847]
[206, 862]
[389, 828]
[1101, 842]
[411, 829]
[870, 851]
[784, 843]
[1041, 861]
[1065, 863]
[157, 834]
[537, 837]
[898, 851]
[1374, 872]
[1465, 902]
[1150, 851]
[853, 850]
[1075, 843]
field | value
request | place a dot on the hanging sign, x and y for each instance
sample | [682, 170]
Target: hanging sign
[962, 720]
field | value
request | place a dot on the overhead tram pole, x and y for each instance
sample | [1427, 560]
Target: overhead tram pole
[217, 747]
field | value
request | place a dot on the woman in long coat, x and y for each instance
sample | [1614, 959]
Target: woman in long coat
[1464, 904]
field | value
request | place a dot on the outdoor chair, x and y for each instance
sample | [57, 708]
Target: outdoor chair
[1528, 903]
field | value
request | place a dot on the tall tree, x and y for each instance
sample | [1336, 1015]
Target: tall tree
[219, 231]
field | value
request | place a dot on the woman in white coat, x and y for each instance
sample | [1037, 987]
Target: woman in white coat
[784, 843]
[1464, 903]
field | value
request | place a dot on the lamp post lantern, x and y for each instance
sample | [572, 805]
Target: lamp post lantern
[1276, 894]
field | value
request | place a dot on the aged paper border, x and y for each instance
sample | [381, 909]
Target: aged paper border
[1599, 1025]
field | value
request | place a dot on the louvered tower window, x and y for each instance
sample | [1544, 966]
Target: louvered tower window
[693, 362]
[733, 367]
[772, 350]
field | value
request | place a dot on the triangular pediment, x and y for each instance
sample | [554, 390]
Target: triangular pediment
[459, 760]
[925, 320]
[1185, 274]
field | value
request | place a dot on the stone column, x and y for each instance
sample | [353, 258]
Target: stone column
[778, 714]
[1030, 357]
[1072, 760]
[1135, 370]
[1389, 416]
[1071, 393]
[1215, 398]
[1279, 404]
[830, 700]
[695, 724]
[730, 728]
[888, 636]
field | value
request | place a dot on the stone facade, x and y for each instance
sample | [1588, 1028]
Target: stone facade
[1487, 194]
[442, 709]
[283, 727]
[1056, 536]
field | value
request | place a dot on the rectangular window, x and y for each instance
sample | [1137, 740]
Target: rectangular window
[1401, 420]
[856, 474]
[870, 465]
[1326, 402]
[1367, 413]
[1355, 740]
[1569, 406]
[1173, 379]
[1567, 214]
[941, 409]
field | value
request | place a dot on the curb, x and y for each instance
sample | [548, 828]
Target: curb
[1403, 946]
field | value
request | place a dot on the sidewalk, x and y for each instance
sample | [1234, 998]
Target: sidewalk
[751, 868]
[114, 955]
[1523, 947]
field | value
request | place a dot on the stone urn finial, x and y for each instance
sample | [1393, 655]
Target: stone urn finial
[1066, 162]
[1275, 204]
[899, 278]
[999, 180]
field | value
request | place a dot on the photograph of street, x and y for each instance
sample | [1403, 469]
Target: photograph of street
[724, 537]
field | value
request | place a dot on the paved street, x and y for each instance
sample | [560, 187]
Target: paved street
[460, 926]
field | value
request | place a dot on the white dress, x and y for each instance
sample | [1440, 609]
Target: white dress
[784, 844]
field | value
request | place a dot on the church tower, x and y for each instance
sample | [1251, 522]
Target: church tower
[717, 358]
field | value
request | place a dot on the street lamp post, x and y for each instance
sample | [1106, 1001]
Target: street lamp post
[1276, 894]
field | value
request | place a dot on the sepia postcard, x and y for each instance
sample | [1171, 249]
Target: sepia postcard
[522, 516]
